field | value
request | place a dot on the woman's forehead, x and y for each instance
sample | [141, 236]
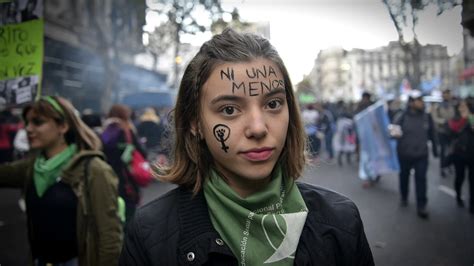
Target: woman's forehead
[35, 114]
[257, 77]
[256, 68]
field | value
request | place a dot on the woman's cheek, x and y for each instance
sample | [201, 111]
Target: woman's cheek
[221, 133]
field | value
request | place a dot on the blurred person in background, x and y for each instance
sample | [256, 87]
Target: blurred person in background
[365, 102]
[310, 117]
[344, 141]
[93, 120]
[462, 152]
[118, 132]
[150, 130]
[441, 115]
[9, 125]
[236, 159]
[326, 126]
[412, 148]
[70, 191]
[20, 144]
[394, 108]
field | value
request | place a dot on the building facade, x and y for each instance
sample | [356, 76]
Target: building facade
[343, 75]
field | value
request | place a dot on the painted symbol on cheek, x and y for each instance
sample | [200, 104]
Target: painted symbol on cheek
[222, 132]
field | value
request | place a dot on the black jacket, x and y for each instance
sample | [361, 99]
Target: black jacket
[418, 129]
[176, 230]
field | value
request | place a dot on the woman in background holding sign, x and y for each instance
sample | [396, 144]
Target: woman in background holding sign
[120, 145]
[70, 191]
[240, 145]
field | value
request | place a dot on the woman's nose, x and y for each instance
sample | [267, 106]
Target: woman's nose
[256, 125]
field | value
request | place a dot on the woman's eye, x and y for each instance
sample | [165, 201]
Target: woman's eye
[37, 121]
[229, 110]
[274, 104]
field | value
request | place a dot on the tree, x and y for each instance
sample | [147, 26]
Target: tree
[235, 23]
[159, 41]
[304, 85]
[114, 23]
[400, 12]
[185, 17]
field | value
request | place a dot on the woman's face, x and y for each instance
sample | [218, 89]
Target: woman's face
[463, 109]
[43, 132]
[244, 121]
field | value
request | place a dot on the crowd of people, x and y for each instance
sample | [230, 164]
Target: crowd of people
[235, 156]
[79, 193]
[447, 127]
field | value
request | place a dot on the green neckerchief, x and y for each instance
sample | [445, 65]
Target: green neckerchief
[263, 228]
[47, 171]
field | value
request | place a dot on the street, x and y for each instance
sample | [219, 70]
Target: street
[396, 235]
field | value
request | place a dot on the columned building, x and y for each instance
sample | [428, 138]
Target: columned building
[343, 75]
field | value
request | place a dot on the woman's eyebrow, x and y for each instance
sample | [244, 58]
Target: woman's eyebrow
[236, 98]
[274, 92]
[225, 98]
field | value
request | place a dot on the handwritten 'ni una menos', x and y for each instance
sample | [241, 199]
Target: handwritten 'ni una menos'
[254, 88]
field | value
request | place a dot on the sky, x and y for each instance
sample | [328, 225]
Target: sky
[299, 29]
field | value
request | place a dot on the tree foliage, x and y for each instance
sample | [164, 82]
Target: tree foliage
[304, 85]
[235, 23]
[180, 17]
[159, 40]
[404, 13]
[115, 32]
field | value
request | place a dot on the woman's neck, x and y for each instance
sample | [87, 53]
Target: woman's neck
[247, 188]
[55, 149]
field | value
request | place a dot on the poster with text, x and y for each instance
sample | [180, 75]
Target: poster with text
[21, 50]
[18, 91]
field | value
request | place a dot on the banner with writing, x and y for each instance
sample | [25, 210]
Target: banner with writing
[377, 150]
[17, 11]
[18, 90]
[21, 50]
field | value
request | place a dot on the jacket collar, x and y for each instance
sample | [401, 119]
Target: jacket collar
[74, 170]
[197, 233]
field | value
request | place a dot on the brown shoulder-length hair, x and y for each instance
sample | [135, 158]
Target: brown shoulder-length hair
[124, 114]
[191, 158]
[79, 133]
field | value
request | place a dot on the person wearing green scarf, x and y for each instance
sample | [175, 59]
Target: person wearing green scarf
[239, 147]
[46, 171]
[70, 192]
[271, 218]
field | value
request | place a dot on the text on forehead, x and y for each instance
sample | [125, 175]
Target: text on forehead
[254, 88]
[262, 72]
[257, 87]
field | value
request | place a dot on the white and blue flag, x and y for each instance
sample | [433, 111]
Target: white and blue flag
[377, 152]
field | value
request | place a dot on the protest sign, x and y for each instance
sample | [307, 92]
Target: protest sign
[21, 51]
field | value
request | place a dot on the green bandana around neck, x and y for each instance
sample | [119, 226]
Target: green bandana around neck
[46, 171]
[263, 228]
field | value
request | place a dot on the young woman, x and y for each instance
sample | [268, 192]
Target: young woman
[239, 148]
[462, 134]
[119, 131]
[70, 191]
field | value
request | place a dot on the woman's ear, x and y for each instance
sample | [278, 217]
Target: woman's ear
[195, 129]
[63, 128]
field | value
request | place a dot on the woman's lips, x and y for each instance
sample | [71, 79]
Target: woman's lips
[257, 155]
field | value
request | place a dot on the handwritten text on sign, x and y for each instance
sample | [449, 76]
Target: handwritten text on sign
[21, 49]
